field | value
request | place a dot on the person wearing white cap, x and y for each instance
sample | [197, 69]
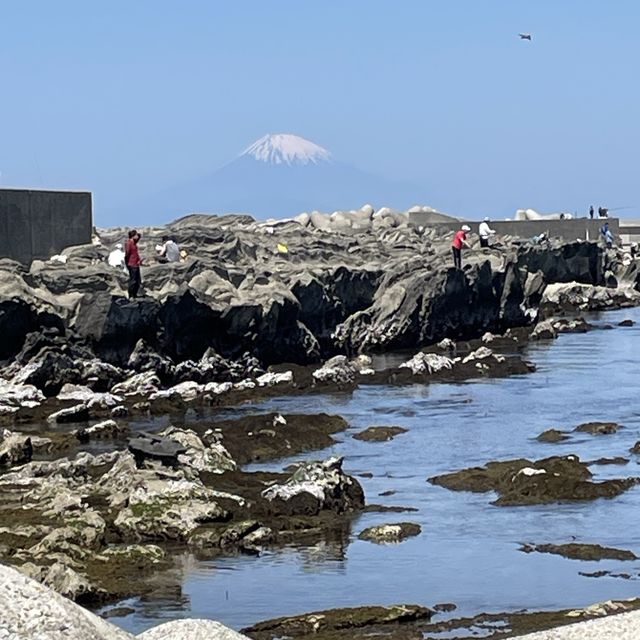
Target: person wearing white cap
[485, 232]
[459, 241]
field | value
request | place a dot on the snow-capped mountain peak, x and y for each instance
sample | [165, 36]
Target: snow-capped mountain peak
[286, 148]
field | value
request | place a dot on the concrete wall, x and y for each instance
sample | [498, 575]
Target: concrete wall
[39, 224]
[582, 228]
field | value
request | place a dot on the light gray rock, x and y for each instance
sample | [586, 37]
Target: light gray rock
[315, 487]
[423, 363]
[15, 448]
[337, 370]
[32, 611]
[191, 630]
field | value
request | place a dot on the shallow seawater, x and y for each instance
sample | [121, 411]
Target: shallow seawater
[468, 550]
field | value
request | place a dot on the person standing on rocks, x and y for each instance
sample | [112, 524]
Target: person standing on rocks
[459, 241]
[591, 212]
[606, 234]
[133, 261]
[485, 232]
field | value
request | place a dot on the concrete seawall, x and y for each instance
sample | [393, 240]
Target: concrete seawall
[39, 224]
[575, 229]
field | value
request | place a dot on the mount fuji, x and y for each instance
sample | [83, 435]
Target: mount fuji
[280, 175]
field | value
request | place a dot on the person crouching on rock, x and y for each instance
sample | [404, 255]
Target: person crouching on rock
[459, 241]
[133, 261]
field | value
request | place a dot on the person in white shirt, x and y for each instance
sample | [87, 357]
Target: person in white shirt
[169, 250]
[485, 232]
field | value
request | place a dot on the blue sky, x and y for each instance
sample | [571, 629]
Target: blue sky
[127, 98]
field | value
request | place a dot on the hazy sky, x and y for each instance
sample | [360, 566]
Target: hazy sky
[128, 97]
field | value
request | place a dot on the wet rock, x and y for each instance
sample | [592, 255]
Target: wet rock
[271, 379]
[427, 363]
[106, 430]
[574, 295]
[76, 413]
[202, 454]
[379, 434]
[315, 487]
[15, 448]
[192, 629]
[143, 384]
[385, 508]
[69, 583]
[187, 391]
[552, 435]
[444, 607]
[614, 460]
[374, 620]
[519, 482]
[265, 437]
[598, 428]
[396, 532]
[544, 330]
[626, 323]
[93, 399]
[337, 370]
[149, 446]
[248, 535]
[15, 396]
[581, 551]
[635, 448]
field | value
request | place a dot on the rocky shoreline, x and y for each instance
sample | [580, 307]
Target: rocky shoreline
[96, 491]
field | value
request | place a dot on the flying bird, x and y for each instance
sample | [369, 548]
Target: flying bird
[525, 36]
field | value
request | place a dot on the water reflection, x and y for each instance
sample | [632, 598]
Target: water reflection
[468, 550]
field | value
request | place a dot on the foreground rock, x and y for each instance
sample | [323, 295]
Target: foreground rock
[31, 611]
[521, 482]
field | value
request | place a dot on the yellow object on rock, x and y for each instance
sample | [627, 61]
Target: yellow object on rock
[282, 248]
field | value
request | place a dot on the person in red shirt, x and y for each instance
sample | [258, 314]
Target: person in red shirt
[459, 241]
[133, 261]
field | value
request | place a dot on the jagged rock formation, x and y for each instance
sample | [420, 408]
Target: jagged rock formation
[252, 294]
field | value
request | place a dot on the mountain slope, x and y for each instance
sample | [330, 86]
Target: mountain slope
[279, 176]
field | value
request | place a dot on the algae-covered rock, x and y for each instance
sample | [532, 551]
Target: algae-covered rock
[598, 428]
[581, 551]
[373, 620]
[379, 434]
[519, 482]
[395, 532]
[552, 435]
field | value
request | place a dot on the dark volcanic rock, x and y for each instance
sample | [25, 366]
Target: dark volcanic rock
[598, 428]
[351, 622]
[379, 434]
[581, 551]
[552, 435]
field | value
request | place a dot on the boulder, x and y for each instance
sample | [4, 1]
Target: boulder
[316, 487]
[15, 448]
[32, 610]
[193, 629]
[385, 533]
